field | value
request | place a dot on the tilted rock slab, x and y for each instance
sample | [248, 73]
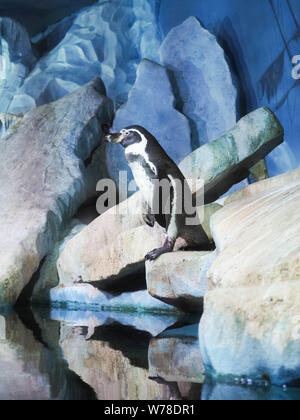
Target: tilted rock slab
[205, 88]
[227, 160]
[251, 320]
[46, 173]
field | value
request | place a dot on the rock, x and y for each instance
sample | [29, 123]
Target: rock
[114, 235]
[206, 91]
[8, 122]
[16, 59]
[259, 171]
[227, 160]
[113, 364]
[105, 40]
[255, 231]
[251, 321]
[253, 332]
[179, 278]
[262, 186]
[176, 360]
[47, 171]
[205, 213]
[48, 277]
[151, 103]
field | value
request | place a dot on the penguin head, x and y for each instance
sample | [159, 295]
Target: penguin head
[126, 137]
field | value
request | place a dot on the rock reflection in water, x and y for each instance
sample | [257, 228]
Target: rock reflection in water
[30, 370]
[88, 356]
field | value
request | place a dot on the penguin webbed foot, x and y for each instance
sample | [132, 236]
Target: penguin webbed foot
[157, 252]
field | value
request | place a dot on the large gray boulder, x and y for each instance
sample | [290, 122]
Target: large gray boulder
[203, 79]
[151, 104]
[251, 323]
[105, 40]
[47, 171]
[16, 59]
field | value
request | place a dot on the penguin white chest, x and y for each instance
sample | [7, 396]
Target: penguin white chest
[143, 170]
[143, 181]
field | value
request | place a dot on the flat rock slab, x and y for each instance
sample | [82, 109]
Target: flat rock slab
[203, 79]
[179, 278]
[45, 176]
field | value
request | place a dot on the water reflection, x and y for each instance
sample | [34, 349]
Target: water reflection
[65, 355]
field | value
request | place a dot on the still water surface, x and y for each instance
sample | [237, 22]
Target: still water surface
[73, 355]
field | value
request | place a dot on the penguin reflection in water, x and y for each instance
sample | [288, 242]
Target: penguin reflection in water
[150, 164]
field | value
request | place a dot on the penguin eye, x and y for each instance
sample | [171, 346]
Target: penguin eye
[125, 132]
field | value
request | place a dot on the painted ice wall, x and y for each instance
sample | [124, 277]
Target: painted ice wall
[260, 38]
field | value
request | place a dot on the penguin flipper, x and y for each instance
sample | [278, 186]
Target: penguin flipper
[149, 219]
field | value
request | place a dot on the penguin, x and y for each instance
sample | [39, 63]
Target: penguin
[163, 187]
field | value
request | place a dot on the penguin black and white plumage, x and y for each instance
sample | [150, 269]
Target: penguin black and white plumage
[149, 162]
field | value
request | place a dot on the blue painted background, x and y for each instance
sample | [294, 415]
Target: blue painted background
[260, 38]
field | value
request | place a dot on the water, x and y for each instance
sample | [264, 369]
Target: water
[69, 355]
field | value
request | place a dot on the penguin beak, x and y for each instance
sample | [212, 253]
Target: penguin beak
[113, 137]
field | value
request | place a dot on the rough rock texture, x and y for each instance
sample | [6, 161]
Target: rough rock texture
[259, 235]
[16, 59]
[203, 79]
[227, 160]
[151, 104]
[180, 278]
[8, 122]
[251, 320]
[106, 40]
[268, 184]
[46, 172]
[253, 332]
[48, 277]
[120, 239]
[176, 360]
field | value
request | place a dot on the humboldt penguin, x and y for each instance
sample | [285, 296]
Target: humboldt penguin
[164, 189]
